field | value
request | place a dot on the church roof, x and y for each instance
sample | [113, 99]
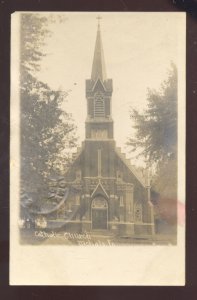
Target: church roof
[98, 66]
[136, 172]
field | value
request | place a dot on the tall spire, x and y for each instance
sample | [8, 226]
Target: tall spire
[98, 66]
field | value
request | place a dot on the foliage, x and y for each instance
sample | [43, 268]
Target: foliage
[33, 33]
[156, 141]
[47, 132]
[156, 127]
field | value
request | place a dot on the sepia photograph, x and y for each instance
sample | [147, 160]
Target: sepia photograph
[97, 129]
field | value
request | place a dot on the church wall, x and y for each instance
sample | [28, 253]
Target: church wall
[120, 216]
[140, 193]
[107, 106]
[129, 205]
[107, 126]
[90, 107]
[127, 176]
[91, 159]
[78, 165]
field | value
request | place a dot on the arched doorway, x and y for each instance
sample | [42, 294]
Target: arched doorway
[99, 211]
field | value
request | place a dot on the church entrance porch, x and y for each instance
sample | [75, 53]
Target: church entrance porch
[99, 213]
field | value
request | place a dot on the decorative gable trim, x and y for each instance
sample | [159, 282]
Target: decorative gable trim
[99, 186]
[96, 82]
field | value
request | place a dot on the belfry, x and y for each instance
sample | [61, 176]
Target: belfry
[108, 193]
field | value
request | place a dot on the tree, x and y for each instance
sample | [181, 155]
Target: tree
[156, 141]
[156, 127]
[47, 132]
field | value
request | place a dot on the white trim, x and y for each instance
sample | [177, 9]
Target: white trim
[98, 79]
[112, 196]
[99, 162]
[121, 199]
[87, 195]
[99, 183]
[117, 223]
[99, 105]
[96, 177]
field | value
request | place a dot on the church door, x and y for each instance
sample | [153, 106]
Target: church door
[99, 213]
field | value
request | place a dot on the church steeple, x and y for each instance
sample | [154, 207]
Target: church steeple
[99, 123]
[98, 66]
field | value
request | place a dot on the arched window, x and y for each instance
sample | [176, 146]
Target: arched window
[138, 212]
[99, 106]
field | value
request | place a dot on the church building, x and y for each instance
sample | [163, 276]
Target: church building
[106, 192]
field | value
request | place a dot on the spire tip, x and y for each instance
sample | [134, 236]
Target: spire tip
[99, 18]
[98, 66]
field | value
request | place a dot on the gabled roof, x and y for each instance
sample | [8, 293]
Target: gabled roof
[135, 172]
[98, 66]
[75, 156]
[98, 84]
[99, 190]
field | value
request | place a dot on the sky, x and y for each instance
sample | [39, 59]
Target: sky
[138, 50]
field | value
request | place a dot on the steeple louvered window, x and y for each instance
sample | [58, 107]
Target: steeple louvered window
[99, 106]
